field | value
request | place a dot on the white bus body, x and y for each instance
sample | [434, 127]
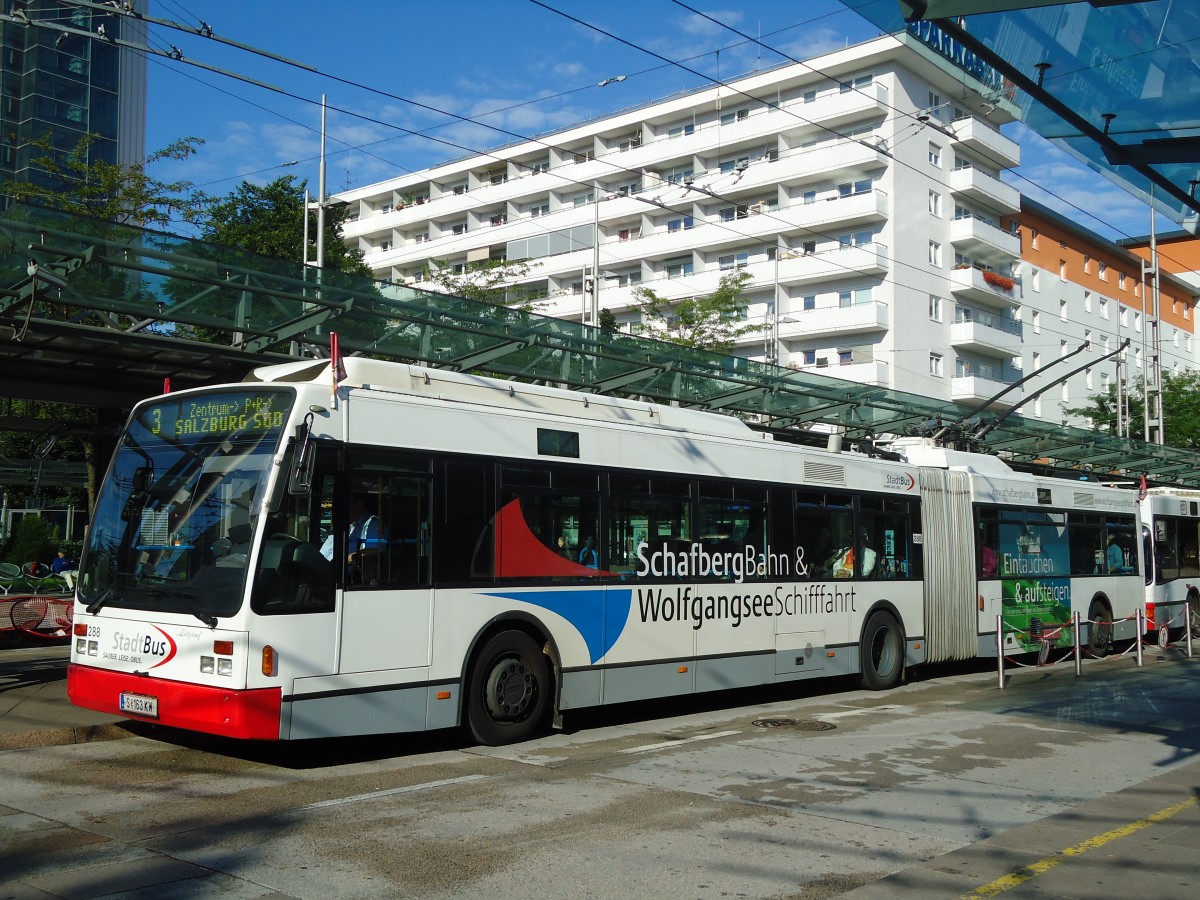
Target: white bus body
[222, 590]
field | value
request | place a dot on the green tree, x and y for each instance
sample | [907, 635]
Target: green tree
[269, 220]
[1181, 409]
[124, 193]
[488, 281]
[711, 322]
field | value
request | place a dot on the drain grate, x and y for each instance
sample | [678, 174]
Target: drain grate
[794, 724]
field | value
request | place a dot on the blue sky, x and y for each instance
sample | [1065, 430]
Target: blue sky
[512, 64]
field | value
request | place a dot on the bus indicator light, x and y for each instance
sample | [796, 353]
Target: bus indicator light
[268, 660]
[683, 670]
[80, 629]
[443, 695]
[223, 648]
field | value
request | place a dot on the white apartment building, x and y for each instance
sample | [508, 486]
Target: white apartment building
[860, 190]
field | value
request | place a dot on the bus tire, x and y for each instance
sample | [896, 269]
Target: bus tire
[1100, 630]
[507, 690]
[881, 653]
[1191, 614]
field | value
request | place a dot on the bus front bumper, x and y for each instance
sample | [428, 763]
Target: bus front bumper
[249, 714]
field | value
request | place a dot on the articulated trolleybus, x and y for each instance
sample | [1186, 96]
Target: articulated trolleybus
[427, 549]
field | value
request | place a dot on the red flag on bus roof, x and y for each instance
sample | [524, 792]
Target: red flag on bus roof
[1142, 488]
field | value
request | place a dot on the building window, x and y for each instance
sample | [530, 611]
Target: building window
[1121, 282]
[739, 115]
[849, 189]
[809, 301]
[935, 254]
[1062, 310]
[678, 268]
[1035, 280]
[960, 163]
[499, 219]
[1104, 271]
[460, 188]
[1104, 307]
[734, 261]
[729, 213]
[539, 167]
[626, 279]
[1036, 322]
[935, 307]
[458, 228]
[421, 238]
[385, 245]
[809, 197]
[675, 176]
[630, 234]
[1033, 238]
[1124, 317]
[935, 204]
[935, 365]
[583, 199]
[681, 130]
[684, 223]
[1087, 265]
[810, 357]
[1062, 269]
[809, 97]
[1087, 301]
[935, 156]
[585, 156]
[539, 210]
[1137, 322]
[845, 357]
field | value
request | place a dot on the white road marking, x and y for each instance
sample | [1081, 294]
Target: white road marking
[863, 712]
[665, 744]
[401, 790]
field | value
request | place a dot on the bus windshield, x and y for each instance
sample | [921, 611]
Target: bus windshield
[174, 521]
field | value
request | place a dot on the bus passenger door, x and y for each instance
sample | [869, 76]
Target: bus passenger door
[386, 598]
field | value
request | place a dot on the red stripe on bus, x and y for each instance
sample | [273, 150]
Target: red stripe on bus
[252, 715]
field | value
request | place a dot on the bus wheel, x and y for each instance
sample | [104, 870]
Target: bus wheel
[506, 690]
[1100, 628]
[882, 652]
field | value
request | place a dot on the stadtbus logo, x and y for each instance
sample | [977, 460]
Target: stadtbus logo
[141, 647]
[899, 481]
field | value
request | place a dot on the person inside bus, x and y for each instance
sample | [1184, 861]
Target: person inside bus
[588, 556]
[1114, 555]
[844, 567]
[364, 542]
[988, 563]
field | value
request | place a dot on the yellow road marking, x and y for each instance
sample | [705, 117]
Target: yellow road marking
[1019, 877]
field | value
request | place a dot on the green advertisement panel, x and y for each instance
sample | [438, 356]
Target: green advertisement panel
[1035, 586]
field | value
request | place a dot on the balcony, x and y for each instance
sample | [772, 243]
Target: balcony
[839, 262]
[984, 140]
[853, 209]
[982, 333]
[981, 188]
[873, 372]
[969, 284]
[857, 318]
[834, 108]
[981, 239]
[975, 382]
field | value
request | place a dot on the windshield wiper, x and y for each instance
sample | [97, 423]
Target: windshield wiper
[207, 618]
[94, 607]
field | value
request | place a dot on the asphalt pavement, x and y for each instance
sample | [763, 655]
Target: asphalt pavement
[1138, 842]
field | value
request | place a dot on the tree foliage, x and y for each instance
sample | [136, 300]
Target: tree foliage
[269, 220]
[713, 322]
[1181, 409]
[124, 193]
[488, 281]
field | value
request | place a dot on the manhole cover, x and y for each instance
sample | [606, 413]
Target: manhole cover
[795, 724]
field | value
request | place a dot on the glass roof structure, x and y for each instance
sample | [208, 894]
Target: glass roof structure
[103, 312]
[1113, 82]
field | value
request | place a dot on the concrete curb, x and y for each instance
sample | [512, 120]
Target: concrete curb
[57, 737]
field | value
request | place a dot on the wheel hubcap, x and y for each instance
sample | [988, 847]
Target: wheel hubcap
[510, 689]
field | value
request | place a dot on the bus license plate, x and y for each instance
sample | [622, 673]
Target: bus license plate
[139, 704]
